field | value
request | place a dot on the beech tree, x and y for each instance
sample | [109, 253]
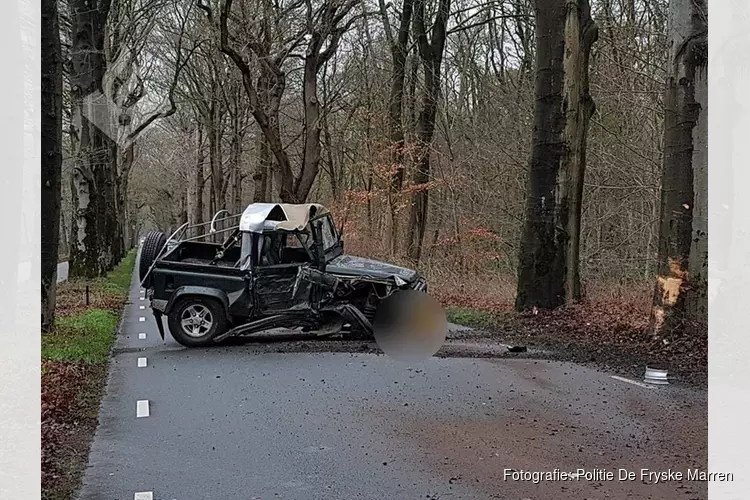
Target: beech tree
[680, 295]
[431, 56]
[399, 50]
[51, 132]
[323, 24]
[94, 248]
[548, 270]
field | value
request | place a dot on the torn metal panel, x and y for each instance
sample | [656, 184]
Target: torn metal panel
[359, 266]
[260, 217]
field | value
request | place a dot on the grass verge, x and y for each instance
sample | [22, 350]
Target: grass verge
[75, 360]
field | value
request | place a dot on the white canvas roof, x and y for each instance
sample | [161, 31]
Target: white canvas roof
[260, 217]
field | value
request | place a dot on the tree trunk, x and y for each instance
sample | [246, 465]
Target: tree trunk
[64, 242]
[127, 157]
[51, 87]
[235, 203]
[94, 221]
[196, 183]
[311, 154]
[548, 271]
[431, 55]
[580, 34]
[215, 161]
[399, 51]
[261, 179]
[680, 294]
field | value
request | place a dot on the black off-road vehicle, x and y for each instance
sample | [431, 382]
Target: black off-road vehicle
[279, 265]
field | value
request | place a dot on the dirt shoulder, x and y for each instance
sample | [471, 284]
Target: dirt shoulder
[75, 363]
[609, 335]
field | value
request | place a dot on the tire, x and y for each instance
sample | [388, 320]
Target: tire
[355, 332]
[201, 335]
[152, 245]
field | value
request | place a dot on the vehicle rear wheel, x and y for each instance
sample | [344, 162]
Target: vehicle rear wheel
[196, 321]
[152, 245]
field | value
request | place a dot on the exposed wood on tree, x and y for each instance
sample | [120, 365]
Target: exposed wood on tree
[680, 295]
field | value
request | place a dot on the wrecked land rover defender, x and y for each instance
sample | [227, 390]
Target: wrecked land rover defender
[278, 266]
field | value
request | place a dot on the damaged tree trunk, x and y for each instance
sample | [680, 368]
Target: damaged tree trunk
[680, 292]
[548, 271]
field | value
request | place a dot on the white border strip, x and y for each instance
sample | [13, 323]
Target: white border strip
[142, 362]
[142, 319]
[144, 495]
[141, 336]
[142, 408]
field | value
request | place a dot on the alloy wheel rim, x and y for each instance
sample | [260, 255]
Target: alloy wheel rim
[196, 320]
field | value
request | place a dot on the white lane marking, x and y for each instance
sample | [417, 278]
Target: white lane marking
[141, 408]
[141, 336]
[142, 362]
[144, 495]
[141, 298]
[142, 319]
[634, 382]
[141, 307]
[143, 291]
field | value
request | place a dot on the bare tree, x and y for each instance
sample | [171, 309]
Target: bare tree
[548, 273]
[133, 26]
[51, 132]
[322, 31]
[681, 292]
[431, 57]
[94, 222]
[399, 50]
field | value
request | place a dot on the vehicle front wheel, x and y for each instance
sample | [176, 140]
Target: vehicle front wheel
[196, 321]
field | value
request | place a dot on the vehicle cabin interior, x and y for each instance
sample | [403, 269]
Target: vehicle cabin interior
[278, 248]
[204, 253]
[272, 248]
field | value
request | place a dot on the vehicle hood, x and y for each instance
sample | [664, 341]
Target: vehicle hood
[351, 265]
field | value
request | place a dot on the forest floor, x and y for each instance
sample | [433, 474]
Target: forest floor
[75, 360]
[609, 329]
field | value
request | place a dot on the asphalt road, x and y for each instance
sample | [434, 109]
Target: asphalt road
[244, 422]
